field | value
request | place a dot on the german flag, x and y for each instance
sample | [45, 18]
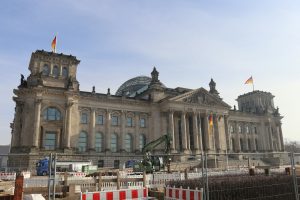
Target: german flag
[210, 120]
[53, 45]
[249, 81]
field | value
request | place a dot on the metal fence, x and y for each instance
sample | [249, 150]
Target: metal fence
[270, 175]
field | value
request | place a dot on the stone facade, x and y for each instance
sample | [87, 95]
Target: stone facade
[53, 115]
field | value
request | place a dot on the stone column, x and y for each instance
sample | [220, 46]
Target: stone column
[171, 130]
[281, 137]
[237, 140]
[16, 134]
[91, 137]
[188, 132]
[227, 132]
[271, 137]
[107, 130]
[206, 133]
[68, 125]
[195, 133]
[253, 138]
[200, 133]
[216, 133]
[37, 119]
[183, 132]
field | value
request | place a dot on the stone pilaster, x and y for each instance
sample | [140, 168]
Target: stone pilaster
[37, 114]
[281, 137]
[136, 134]
[68, 125]
[227, 132]
[237, 138]
[91, 137]
[123, 130]
[107, 130]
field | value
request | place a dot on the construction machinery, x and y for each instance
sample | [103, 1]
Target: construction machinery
[151, 163]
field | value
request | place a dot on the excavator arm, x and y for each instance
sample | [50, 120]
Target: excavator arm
[163, 139]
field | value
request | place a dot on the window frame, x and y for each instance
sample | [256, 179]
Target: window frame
[84, 118]
[114, 146]
[129, 122]
[45, 146]
[100, 122]
[47, 114]
[128, 142]
[114, 120]
[100, 141]
[80, 148]
[143, 122]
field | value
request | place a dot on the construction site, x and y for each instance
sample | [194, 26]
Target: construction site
[235, 176]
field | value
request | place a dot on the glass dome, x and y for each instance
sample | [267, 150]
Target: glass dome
[137, 84]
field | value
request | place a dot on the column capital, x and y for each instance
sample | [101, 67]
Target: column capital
[38, 101]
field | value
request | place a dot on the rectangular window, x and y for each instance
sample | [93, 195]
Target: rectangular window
[116, 164]
[50, 141]
[84, 118]
[129, 121]
[100, 163]
[114, 120]
[142, 123]
[100, 120]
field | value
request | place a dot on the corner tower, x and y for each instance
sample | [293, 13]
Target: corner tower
[52, 70]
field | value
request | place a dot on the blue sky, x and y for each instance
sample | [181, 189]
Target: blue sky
[189, 42]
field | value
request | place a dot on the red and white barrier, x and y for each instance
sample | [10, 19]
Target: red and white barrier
[80, 174]
[183, 194]
[8, 176]
[115, 194]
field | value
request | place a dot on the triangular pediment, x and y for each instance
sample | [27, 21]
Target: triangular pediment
[199, 96]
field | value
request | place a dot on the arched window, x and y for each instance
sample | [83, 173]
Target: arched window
[52, 114]
[113, 142]
[98, 142]
[128, 142]
[46, 70]
[55, 71]
[142, 142]
[65, 72]
[82, 142]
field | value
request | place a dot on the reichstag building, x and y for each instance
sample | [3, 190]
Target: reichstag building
[53, 115]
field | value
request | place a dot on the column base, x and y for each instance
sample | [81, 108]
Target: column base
[174, 151]
[186, 151]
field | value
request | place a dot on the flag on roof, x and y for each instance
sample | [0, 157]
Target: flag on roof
[53, 45]
[249, 81]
